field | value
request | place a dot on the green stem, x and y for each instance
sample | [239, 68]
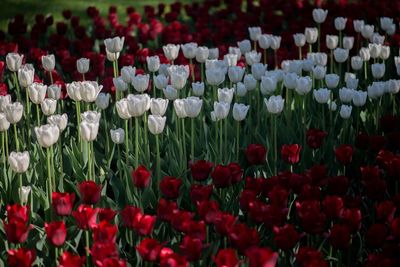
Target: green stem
[38, 115]
[20, 185]
[87, 238]
[93, 160]
[158, 167]
[154, 86]
[16, 137]
[107, 148]
[3, 149]
[146, 139]
[184, 142]
[275, 146]
[16, 83]
[89, 164]
[53, 173]
[6, 141]
[78, 120]
[237, 140]
[192, 140]
[60, 158]
[48, 154]
[220, 141]
[126, 143]
[136, 142]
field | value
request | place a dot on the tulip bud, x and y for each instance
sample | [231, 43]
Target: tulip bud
[375, 50]
[112, 56]
[156, 124]
[158, 106]
[340, 54]
[179, 107]
[311, 35]
[221, 110]
[236, 51]
[367, 31]
[153, 63]
[23, 193]
[332, 41]
[358, 25]
[171, 51]
[255, 33]
[37, 92]
[198, 88]
[385, 52]
[26, 75]
[378, 70]
[244, 46]
[356, 63]
[48, 106]
[340, 23]
[235, 74]
[365, 54]
[345, 111]
[385, 23]
[319, 15]
[239, 111]
[303, 85]
[19, 161]
[258, 70]
[359, 98]
[138, 104]
[202, 54]
[230, 60]
[114, 45]
[91, 116]
[128, 73]
[119, 84]
[178, 79]
[47, 135]
[141, 82]
[170, 92]
[189, 50]
[376, 90]
[4, 101]
[319, 72]
[346, 94]
[274, 104]
[299, 39]
[252, 57]
[122, 109]
[332, 80]
[48, 62]
[14, 112]
[322, 95]
[290, 80]
[82, 65]
[264, 41]
[160, 81]
[90, 90]
[117, 136]
[225, 95]
[89, 130]
[308, 64]
[215, 76]
[393, 86]
[275, 42]
[103, 100]
[268, 85]
[4, 123]
[332, 105]
[249, 82]
[54, 91]
[348, 42]
[74, 91]
[14, 61]
[240, 89]
[60, 121]
[192, 106]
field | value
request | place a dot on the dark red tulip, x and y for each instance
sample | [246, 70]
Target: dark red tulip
[207, 210]
[236, 172]
[141, 177]
[196, 229]
[130, 215]
[173, 260]
[21, 257]
[67, 259]
[307, 256]
[223, 221]
[106, 214]
[376, 235]
[144, 224]
[291, 153]
[149, 249]
[340, 236]
[344, 154]
[226, 258]
[332, 206]
[201, 169]
[311, 217]
[17, 212]
[395, 228]
[105, 232]
[243, 237]
[166, 209]
[103, 250]
[90, 192]
[111, 262]
[385, 211]
[200, 192]
[85, 217]
[286, 237]
[62, 203]
[256, 154]
[16, 231]
[261, 257]
[191, 248]
[352, 217]
[169, 187]
[56, 232]
[181, 220]
[315, 138]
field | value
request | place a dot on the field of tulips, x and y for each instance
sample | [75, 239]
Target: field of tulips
[221, 133]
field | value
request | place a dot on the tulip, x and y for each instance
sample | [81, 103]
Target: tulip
[341, 55]
[345, 111]
[225, 95]
[189, 50]
[213, 53]
[255, 33]
[249, 82]
[230, 60]
[241, 89]
[264, 41]
[114, 45]
[21, 257]
[378, 70]
[221, 110]
[122, 109]
[252, 57]
[14, 112]
[26, 75]
[158, 106]
[319, 15]
[198, 88]
[138, 104]
[49, 62]
[235, 74]
[54, 91]
[4, 123]
[113, 57]
[340, 23]
[153, 63]
[90, 192]
[19, 161]
[367, 31]
[303, 85]
[299, 39]
[117, 136]
[274, 104]
[244, 46]
[85, 217]
[37, 92]
[356, 63]
[215, 76]
[170, 92]
[141, 82]
[48, 106]
[268, 85]
[119, 84]
[202, 53]
[291, 153]
[239, 111]
[4, 101]
[375, 50]
[89, 91]
[103, 100]
[91, 116]
[156, 124]
[62, 203]
[322, 95]
[332, 80]
[358, 25]
[59, 120]
[74, 91]
[332, 106]
[359, 98]
[171, 51]
[393, 86]
[179, 107]
[178, 79]
[14, 61]
[348, 42]
[311, 35]
[352, 83]
[319, 72]
[82, 65]
[332, 41]
[346, 94]
[56, 232]
[258, 70]
[47, 135]
[127, 74]
[89, 130]
[385, 52]
[160, 81]
[192, 106]
[23, 193]
[376, 90]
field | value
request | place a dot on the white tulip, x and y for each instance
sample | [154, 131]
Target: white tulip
[202, 54]
[258, 70]
[82, 65]
[340, 54]
[192, 106]
[244, 46]
[275, 42]
[178, 79]
[48, 106]
[274, 104]
[4, 123]
[138, 104]
[170, 92]
[179, 107]
[249, 82]
[340, 23]
[215, 76]
[358, 25]
[346, 94]
[160, 81]
[299, 39]
[375, 50]
[164, 69]
[213, 53]
[19, 161]
[112, 56]
[198, 88]
[332, 105]
[303, 85]
[231, 60]
[319, 15]
[13, 112]
[37, 92]
[189, 50]
[4, 101]
[239, 111]
[90, 90]
[119, 84]
[385, 23]
[48, 62]
[141, 82]
[367, 31]
[47, 135]
[235, 74]
[236, 51]
[221, 110]
[26, 74]
[74, 91]
[103, 100]
[91, 116]
[365, 54]
[332, 41]
[332, 80]
[264, 41]
[23, 193]
[240, 89]
[290, 80]
[359, 98]
[153, 63]
[171, 51]
[252, 57]
[14, 61]
[89, 130]
[156, 124]
[356, 63]
[376, 90]
[114, 45]
[348, 42]
[122, 109]
[54, 91]
[322, 95]
[320, 59]
[378, 70]
[268, 85]
[117, 135]
[255, 33]
[319, 72]
[60, 121]
[158, 106]
[385, 52]
[128, 73]
[311, 35]
[345, 111]
[392, 86]
[225, 95]
[307, 64]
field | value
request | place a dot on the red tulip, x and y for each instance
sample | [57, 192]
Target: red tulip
[67, 259]
[226, 258]
[196, 229]
[223, 222]
[200, 192]
[340, 236]
[376, 235]
[111, 262]
[207, 210]
[169, 187]
[145, 224]
[344, 154]
[221, 176]
[173, 260]
[103, 250]
[16, 231]
[90, 192]
[85, 217]
[181, 219]
[141, 177]
[130, 215]
[17, 212]
[307, 256]
[236, 172]
[63, 203]
[261, 257]
[243, 237]
[315, 138]
[385, 211]
[106, 214]
[395, 228]
[21, 257]
[56, 232]
[201, 169]
[105, 232]
[332, 206]
[311, 217]
[291, 153]
[166, 209]
[286, 237]
[352, 217]
[191, 248]
[149, 249]
[256, 154]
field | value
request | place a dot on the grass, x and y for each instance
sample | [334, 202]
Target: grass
[78, 7]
